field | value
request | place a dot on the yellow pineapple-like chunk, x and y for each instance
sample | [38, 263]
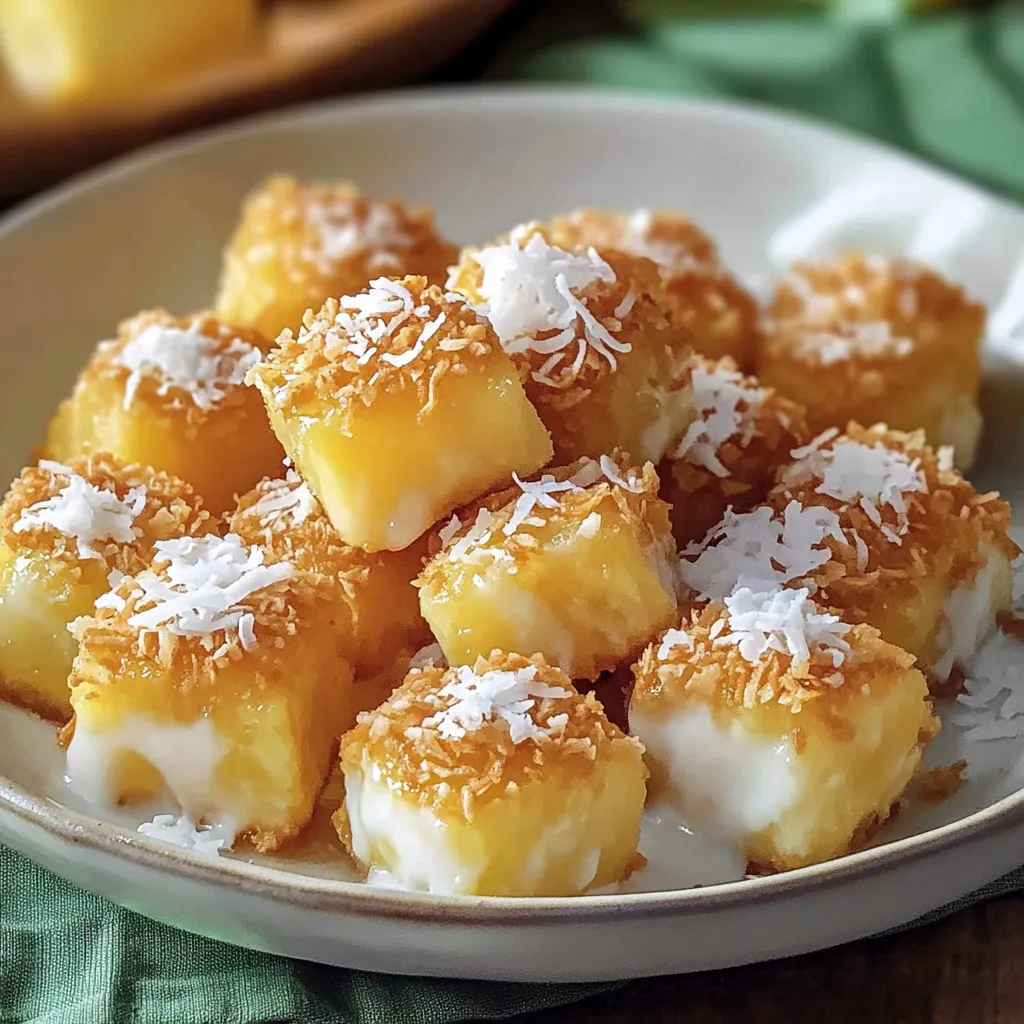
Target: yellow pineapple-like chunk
[214, 678]
[878, 341]
[719, 314]
[63, 50]
[63, 530]
[169, 393]
[728, 457]
[299, 242]
[377, 610]
[777, 727]
[397, 406]
[493, 780]
[592, 331]
[915, 551]
[579, 566]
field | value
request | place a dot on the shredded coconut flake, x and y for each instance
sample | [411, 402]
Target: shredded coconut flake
[992, 703]
[374, 315]
[590, 525]
[611, 471]
[672, 639]
[427, 657]
[447, 532]
[180, 831]
[475, 700]
[533, 291]
[870, 475]
[725, 409]
[862, 338]
[537, 493]
[86, 513]
[209, 578]
[759, 550]
[341, 234]
[478, 533]
[186, 359]
[785, 621]
[290, 497]
[638, 241]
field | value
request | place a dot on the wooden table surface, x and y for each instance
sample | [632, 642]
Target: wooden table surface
[966, 969]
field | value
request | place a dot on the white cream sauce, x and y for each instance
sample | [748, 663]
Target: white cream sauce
[724, 781]
[969, 613]
[409, 518]
[186, 756]
[985, 726]
[424, 860]
[675, 413]
[960, 427]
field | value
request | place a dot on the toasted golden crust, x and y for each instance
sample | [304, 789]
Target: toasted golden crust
[108, 641]
[284, 518]
[748, 458]
[154, 391]
[326, 237]
[646, 325]
[172, 509]
[857, 289]
[669, 239]
[869, 331]
[720, 675]
[451, 775]
[310, 542]
[323, 363]
[639, 506]
[949, 520]
[707, 301]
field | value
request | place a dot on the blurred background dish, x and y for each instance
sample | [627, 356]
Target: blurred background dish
[86, 79]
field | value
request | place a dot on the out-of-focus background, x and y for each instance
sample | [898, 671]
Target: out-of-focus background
[87, 79]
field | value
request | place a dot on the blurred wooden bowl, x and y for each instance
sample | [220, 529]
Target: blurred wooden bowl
[310, 49]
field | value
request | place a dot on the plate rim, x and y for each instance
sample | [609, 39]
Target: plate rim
[337, 895]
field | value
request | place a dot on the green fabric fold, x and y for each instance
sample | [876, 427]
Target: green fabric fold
[948, 87]
[68, 957]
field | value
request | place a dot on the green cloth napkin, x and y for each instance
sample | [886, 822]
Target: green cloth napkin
[67, 957]
[949, 87]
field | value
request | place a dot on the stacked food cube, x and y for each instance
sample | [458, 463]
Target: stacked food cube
[461, 498]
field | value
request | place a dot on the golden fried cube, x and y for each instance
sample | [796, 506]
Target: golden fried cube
[62, 50]
[593, 335]
[377, 610]
[63, 530]
[779, 728]
[397, 406]
[169, 393]
[878, 341]
[918, 553]
[728, 457]
[718, 313]
[298, 243]
[495, 780]
[215, 679]
[578, 566]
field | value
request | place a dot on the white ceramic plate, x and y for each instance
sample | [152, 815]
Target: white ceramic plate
[148, 231]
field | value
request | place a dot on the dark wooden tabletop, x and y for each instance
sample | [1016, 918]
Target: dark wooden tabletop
[966, 969]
